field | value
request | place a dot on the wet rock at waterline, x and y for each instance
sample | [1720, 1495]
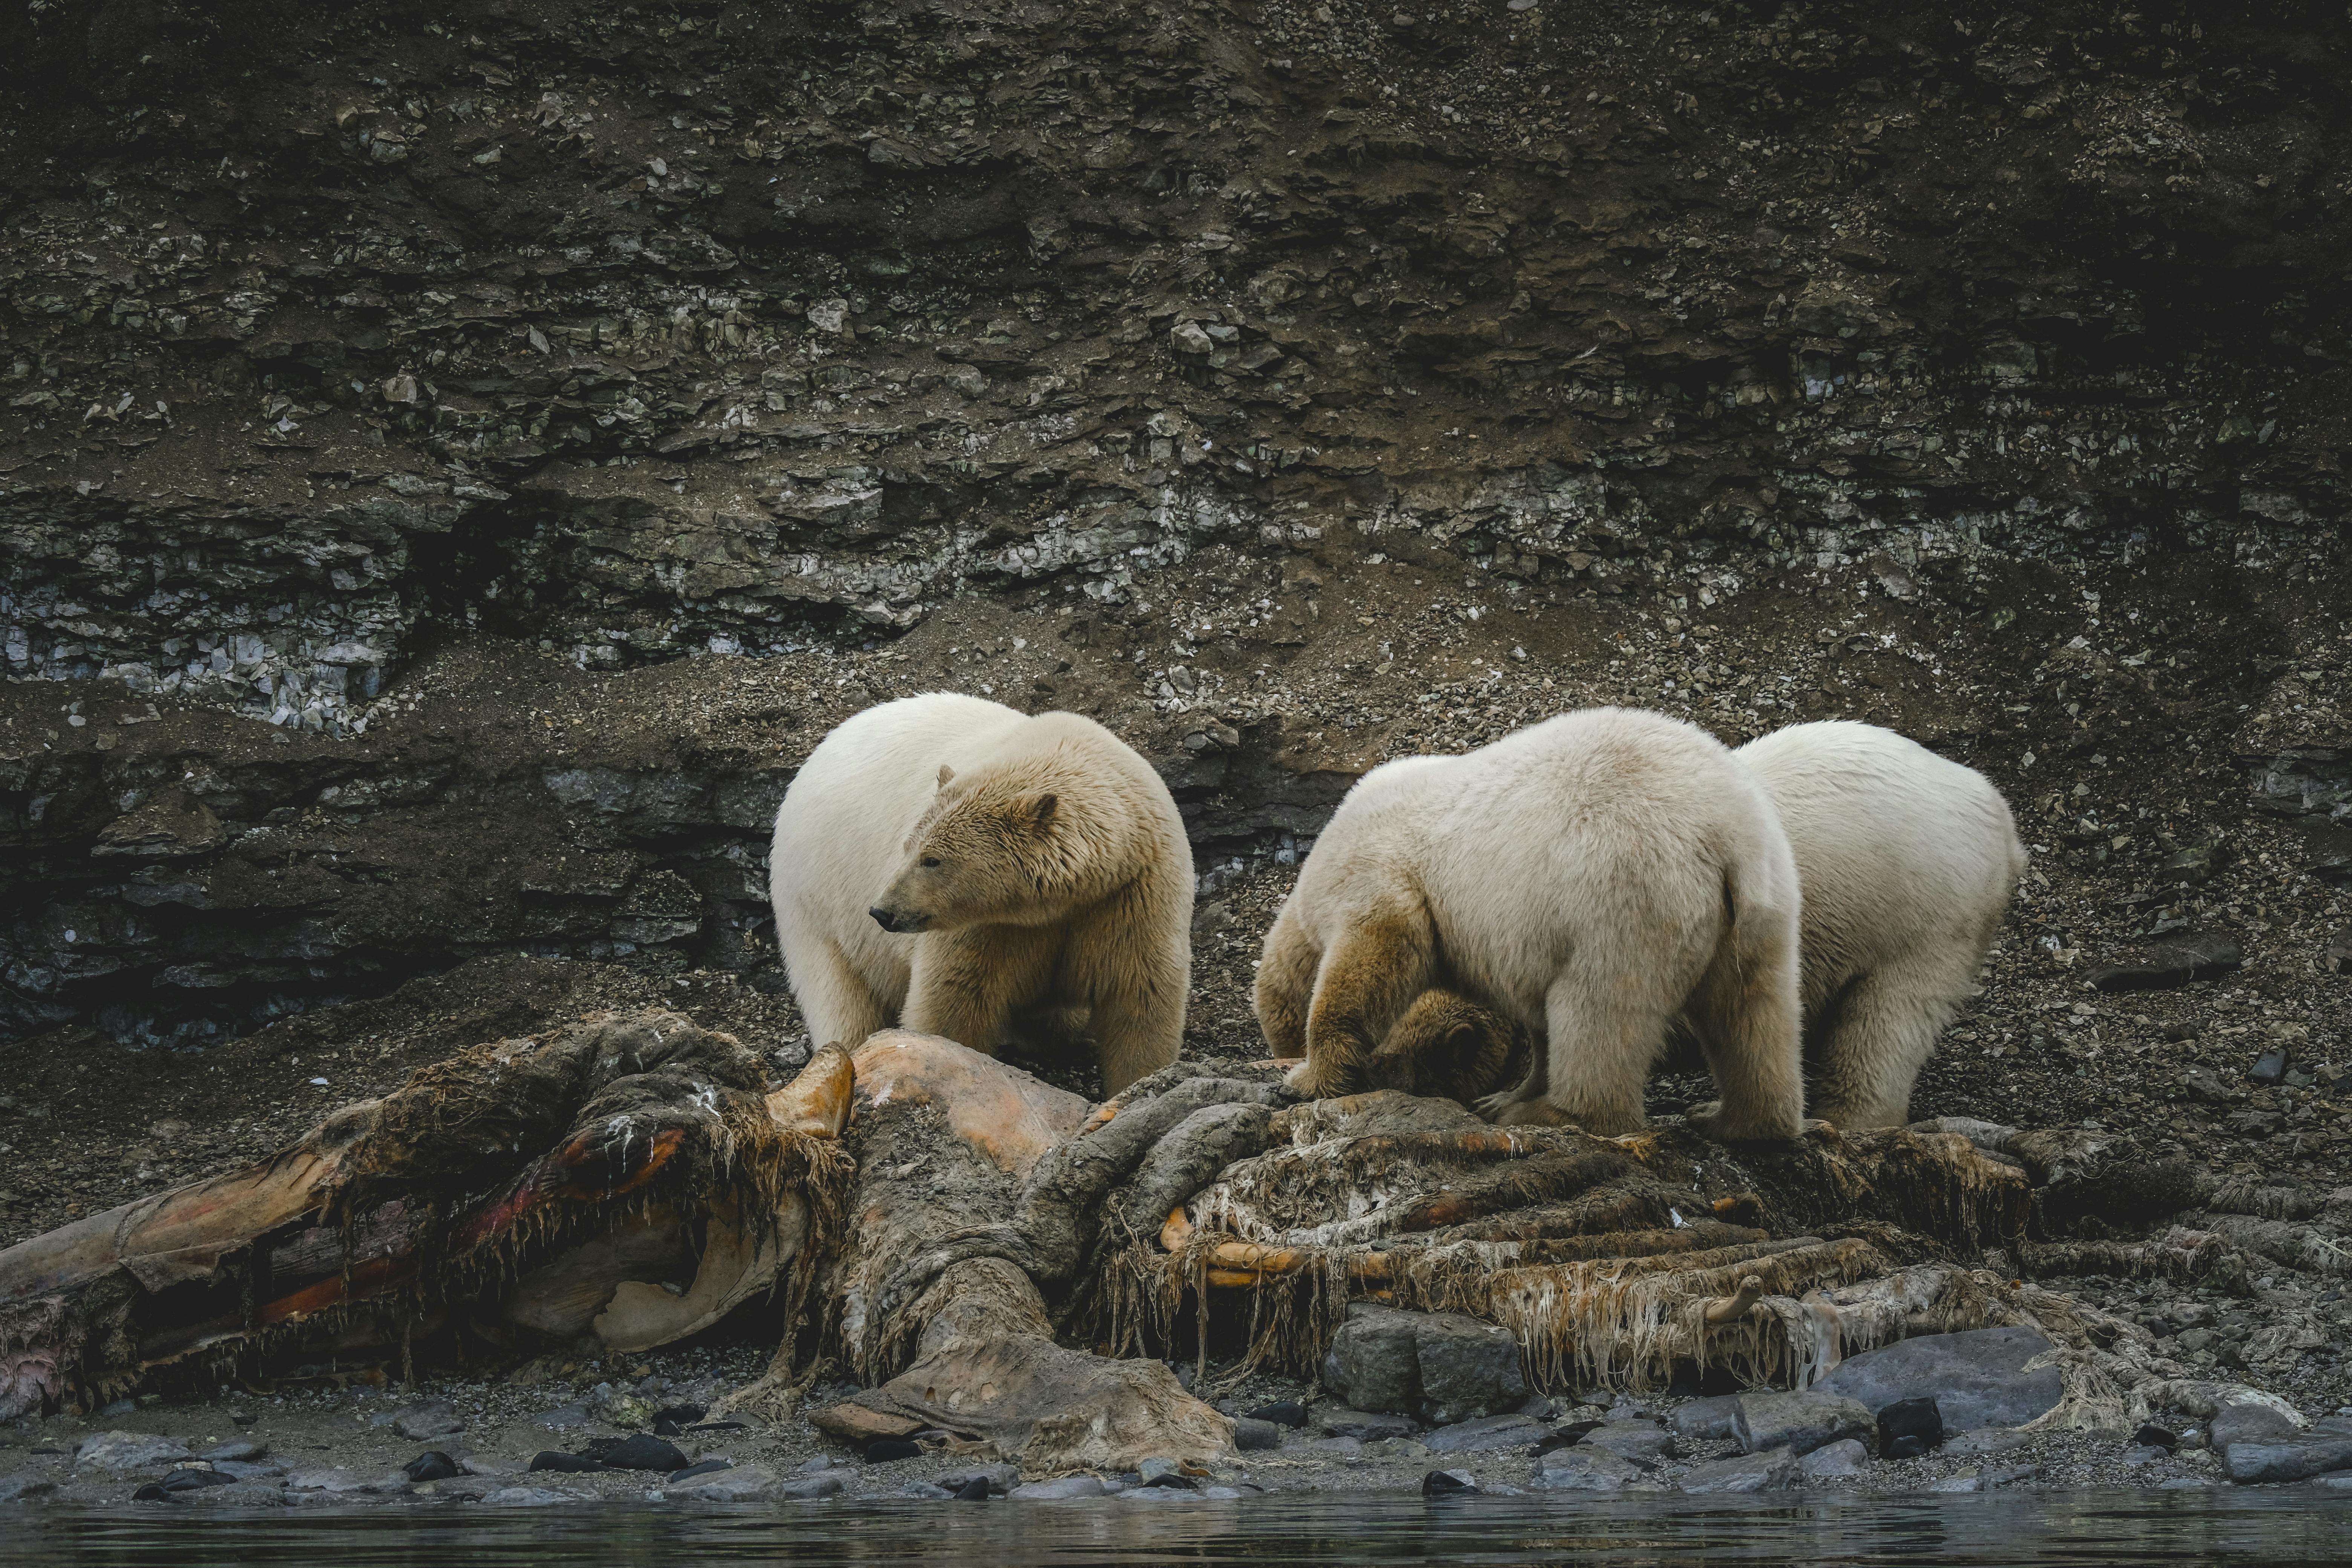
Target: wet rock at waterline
[1976, 1378]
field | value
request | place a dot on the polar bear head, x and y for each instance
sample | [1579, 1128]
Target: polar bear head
[994, 847]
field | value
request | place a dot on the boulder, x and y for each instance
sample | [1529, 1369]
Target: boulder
[129, 1451]
[1486, 1435]
[2249, 1463]
[1800, 1422]
[1440, 1367]
[1640, 1442]
[1976, 1378]
[1910, 1428]
[1341, 1421]
[1251, 1435]
[1583, 1470]
[2251, 1421]
[1706, 1420]
[1061, 1488]
[1846, 1457]
[427, 1422]
[1773, 1470]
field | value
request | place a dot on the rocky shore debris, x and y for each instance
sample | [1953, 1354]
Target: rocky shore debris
[992, 1233]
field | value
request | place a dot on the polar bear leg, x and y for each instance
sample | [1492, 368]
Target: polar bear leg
[838, 1006]
[1745, 1013]
[1883, 1030]
[1134, 989]
[1604, 1023]
[1366, 981]
[1285, 985]
[966, 983]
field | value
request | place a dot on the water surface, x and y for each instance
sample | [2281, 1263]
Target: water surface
[2020, 1527]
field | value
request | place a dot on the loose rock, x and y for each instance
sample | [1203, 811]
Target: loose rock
[1976, 1378]
[1773, 1470]
[1798, 1421]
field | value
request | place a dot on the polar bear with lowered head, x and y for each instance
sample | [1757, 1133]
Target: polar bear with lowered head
[1593, 877]
[960, 868]
[1909, 861]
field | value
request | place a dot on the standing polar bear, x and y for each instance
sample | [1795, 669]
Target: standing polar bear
[1593, 878]
[965, 870]
[1909, 861]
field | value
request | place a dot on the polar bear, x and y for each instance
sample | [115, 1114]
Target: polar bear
[1908, 862]
[960, 868]
[1593, 878]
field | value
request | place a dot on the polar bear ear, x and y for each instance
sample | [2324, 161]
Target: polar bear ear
[947, 774]
[1041, 811]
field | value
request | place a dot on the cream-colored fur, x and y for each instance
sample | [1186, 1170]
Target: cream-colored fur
[1034, 871]
[1592, 878]
[1908, 862]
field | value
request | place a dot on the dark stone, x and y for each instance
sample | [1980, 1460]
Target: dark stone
[1448, 1483]
[2151, 1436]
[2269, 1067]
[1584, 1468]
[1774, 1471]
[973, 1490]
[427, 1421]
[151, 1492]
[2251, 1421]
[1909, 1427]
[2174, 961]
[642, 1451]
[244, 1418]
[569, 1464]
[1486, 1435]
[716, 1426]
[1707, 1420]
[1800, 1422]
[1368, 1425]
[701, 1468]
[1251, 1435]
[1638, 1442]
[431, 1466]
[884, 1450]
[1441, 1367]
[1976, 1378]
[189, 1480]
[1282, 1412]
[1565, 1436]
[2253, 1463]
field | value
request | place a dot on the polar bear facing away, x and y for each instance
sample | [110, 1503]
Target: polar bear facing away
[960, 869]
[1593, 877]
[1909, 861]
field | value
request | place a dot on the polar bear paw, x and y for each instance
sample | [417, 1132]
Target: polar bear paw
[1315, 1079]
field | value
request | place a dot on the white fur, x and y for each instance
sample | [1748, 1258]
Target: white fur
[1909, 861]
[1102, 933]
[1593, 877]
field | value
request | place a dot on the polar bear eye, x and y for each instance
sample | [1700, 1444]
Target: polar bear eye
[930, 862]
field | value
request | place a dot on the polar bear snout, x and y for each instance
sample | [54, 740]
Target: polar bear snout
[891, 919]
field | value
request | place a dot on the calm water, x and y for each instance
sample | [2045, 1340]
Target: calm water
[2272, 1526]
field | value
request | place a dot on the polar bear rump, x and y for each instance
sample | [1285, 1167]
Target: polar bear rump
[1591, 880]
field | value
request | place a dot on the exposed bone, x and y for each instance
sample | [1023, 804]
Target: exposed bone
[1732, 1308]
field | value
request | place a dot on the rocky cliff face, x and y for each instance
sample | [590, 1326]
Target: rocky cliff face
[456, 459]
